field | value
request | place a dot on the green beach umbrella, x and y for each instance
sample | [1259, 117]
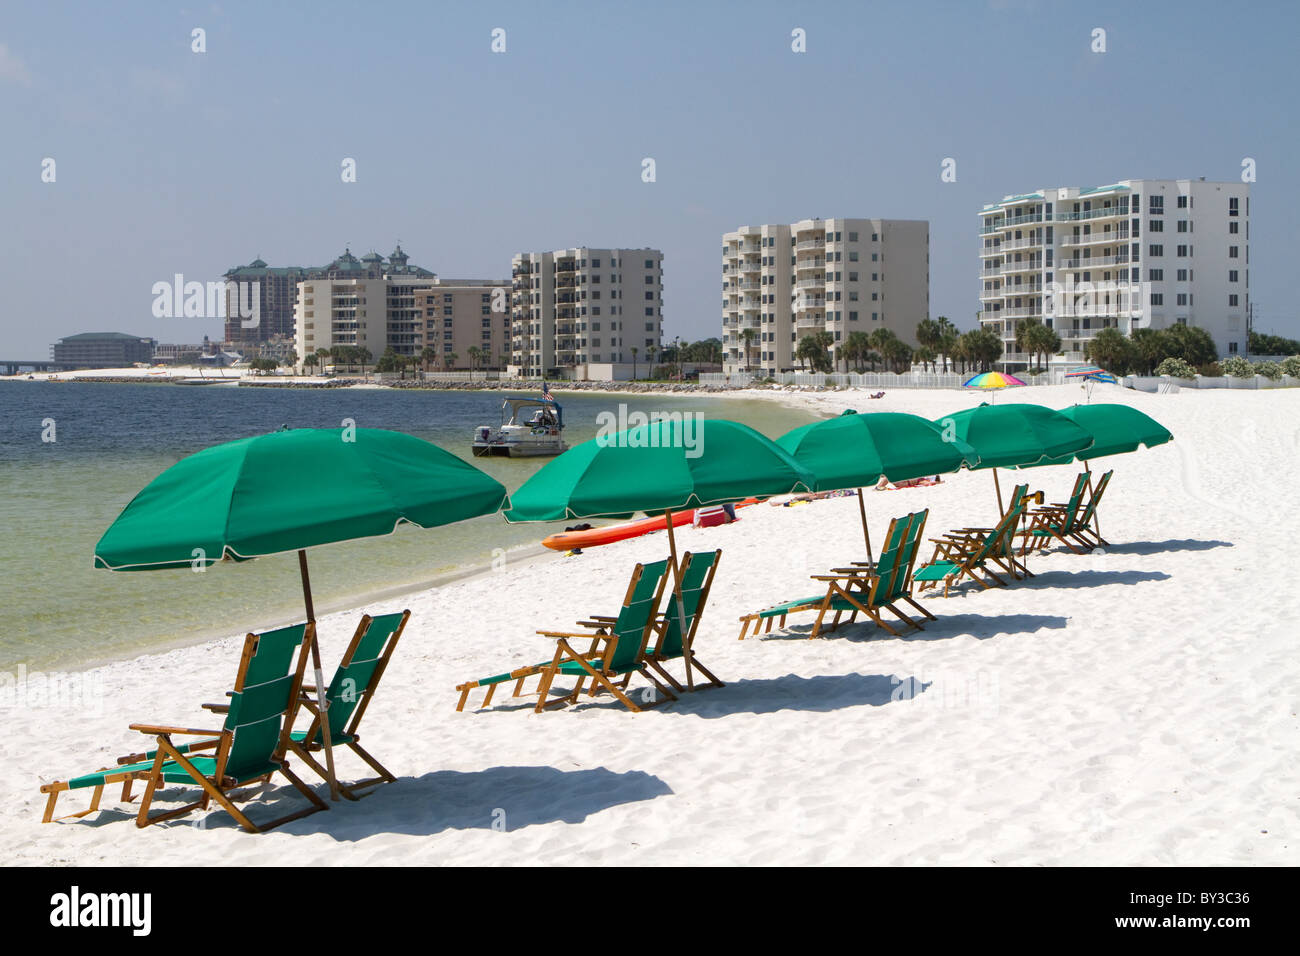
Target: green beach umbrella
[665, 465]
[1115, 430]
[288, 491]
[854, 451]
[660, 467]
[1015, 436]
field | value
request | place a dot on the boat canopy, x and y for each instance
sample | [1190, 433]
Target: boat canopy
[515, 403]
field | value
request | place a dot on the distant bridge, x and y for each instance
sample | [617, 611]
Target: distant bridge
[14, 366]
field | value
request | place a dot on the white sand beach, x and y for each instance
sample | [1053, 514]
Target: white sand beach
[1132, 707]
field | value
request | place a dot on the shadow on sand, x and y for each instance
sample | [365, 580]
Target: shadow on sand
[1088, 579]
[508, 798]
[792, 692]
[1161, 547]
[948, 626]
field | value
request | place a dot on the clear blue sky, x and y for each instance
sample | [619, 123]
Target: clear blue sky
[170, 161]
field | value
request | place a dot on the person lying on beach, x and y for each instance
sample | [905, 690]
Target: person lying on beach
[803, 496]
[886, 485]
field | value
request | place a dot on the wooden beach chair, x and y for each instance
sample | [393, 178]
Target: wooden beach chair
[248, 749]
[348, 696]
[964, 554]
[676, 628]
[1004, 557]
[618, 648]
[776, 614]
[1058, 520]
[870, 590]
[646, 580]
[1085, 532]
[862, 587]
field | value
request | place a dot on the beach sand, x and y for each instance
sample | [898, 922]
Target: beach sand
[1132, 707]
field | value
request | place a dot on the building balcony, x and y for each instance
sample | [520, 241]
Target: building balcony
[1119, 235]
[1011, 245]
[747, 284]
[813, 265]
[1032, 265]
[810, 283]
[810, 244]
[1110, 212]
[991, 251]
[1098, 262]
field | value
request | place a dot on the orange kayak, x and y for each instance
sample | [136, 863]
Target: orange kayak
[594, 537]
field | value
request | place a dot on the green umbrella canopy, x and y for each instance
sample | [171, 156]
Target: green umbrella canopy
[1013, 436]
[664, 465]
[853, 451]
[291, 490]
[1115, 429]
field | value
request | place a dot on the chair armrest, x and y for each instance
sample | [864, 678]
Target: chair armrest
[156, 729]
[183, 748]
[602, 617]
[217, 708]
[583, 634]
[598, 625]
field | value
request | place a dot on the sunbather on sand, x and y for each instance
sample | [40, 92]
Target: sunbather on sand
[886, 485]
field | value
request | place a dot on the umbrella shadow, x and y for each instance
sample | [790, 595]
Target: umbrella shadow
[792, 692]
[1160, 547]
[1090, 579]
[497, 798]
[947, 627]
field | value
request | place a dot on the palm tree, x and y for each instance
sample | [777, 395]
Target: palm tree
[449, 359]
[747, 336]
[928, 334]
[634, 352]
[857, 347]
[925, 355]
[428, 354]
[474, 353]
[650, 351]
[947, 338]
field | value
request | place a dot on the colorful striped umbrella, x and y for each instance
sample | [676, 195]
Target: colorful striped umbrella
[1090, 374]
[992, 381]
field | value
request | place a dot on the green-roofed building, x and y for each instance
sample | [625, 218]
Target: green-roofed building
[277, 289]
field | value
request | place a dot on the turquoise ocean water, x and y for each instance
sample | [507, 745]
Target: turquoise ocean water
[57, 498]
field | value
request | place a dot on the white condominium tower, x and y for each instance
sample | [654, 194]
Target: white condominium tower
[1139, 253]
[784, 282]
[572, 307]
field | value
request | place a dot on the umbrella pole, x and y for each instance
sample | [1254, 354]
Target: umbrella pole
[998, 487]
[862, 509]
[677, 596]
[321, 703]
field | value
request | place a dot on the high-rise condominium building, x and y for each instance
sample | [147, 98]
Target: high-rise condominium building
[1139, 253]
[466, 322]
[369, 302]
[781, 283]
[572, 307]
